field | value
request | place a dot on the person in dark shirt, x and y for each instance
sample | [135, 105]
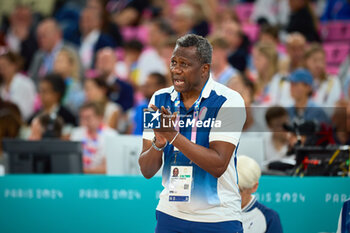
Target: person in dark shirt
[51, 91]
[303, 20]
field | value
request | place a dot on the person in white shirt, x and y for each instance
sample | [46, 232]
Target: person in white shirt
[222, 70]
[93, 133]
[276, 142]
[326, 89]
[16, 87]
[256, 217]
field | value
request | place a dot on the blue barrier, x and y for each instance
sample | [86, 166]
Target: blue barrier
[88, 203]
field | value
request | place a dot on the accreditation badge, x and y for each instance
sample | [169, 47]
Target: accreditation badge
[180, 183]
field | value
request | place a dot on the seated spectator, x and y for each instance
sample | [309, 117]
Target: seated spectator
[182, 19]
[304, 108]
[222, 70]
[302, 19]
[51, 92]
[256, 217]
[108, 27]
[90, 38]
[121, 92]
[341, 123]
[133, 50]
[20, 36]
[273, 12]
[154, 82]
[296, 45]
[49, 36]
[46, 126]
[238, 44]
[93, 133]
[276, 143]
[14, 86]
[336, 10]
[246, 89]
[96, 90]
[10, 122]
[68, 66]
[326, 89]
[150, 60]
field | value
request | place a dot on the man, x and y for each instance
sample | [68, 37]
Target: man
[257, 218]
[206, 198]
[93, 134]
[49, 36]
[92, 39]
[121, 92]
[304, 108]
[222, 70]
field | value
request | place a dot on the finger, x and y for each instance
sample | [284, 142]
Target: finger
[154, 107]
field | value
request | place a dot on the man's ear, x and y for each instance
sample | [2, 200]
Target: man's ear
[205, 70]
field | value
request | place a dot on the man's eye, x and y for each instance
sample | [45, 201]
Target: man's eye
[184, 64]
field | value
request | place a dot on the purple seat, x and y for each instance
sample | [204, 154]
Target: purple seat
[336, 52]
[244, 11]
[335, 31]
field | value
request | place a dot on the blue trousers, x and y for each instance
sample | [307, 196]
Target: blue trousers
[170, 224]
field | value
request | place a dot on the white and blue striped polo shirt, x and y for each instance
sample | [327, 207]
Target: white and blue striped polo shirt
[212, 199]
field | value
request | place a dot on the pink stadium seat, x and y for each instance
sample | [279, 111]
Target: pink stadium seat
[335, 31]
[244, 11]
[336, 52]
[140, 33]
[252, 31]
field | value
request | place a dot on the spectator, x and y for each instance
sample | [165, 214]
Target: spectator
[182, 19]
[10, 122]
[326, 89]
[154, 82]
[238, 44]
[256, 217]
[296, 46]
[265, 59]
[133, 50]
[46, 126]
[336, 10]
[93, 134]
[246, 88]
[222, 70]
[150, 60]
[273, 12]
[51, 91]
[91, 38]
[96, 90]
[341, 123]
[276, 143]
[20, 36]
[68, 66]
[14, 86]
[49, 36]
[108, 27]
[302, 19]
[121, 92]
[304, 108]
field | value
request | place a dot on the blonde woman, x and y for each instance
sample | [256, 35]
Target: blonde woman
[272, 87]
[67, 64]
[327, 88]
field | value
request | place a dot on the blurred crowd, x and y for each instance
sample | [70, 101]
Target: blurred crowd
[88, 69]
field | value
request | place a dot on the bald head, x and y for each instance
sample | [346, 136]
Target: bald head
[90, 19]
[296, 45]
[48, 34]
[106, 61]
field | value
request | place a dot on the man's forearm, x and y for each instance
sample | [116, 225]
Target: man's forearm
[150, 161]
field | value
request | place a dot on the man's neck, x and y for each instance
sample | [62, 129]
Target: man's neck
[243, 205]
[301, 103]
